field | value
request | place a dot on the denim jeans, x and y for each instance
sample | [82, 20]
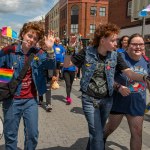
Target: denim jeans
[13, 111]
[96, 118]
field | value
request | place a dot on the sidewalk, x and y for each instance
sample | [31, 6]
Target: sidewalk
[65, 128]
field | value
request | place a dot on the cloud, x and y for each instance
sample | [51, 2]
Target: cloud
[22, 7]
[16, 26]
[38, 18]
[26, 7]
[7, 6]
[15, 13]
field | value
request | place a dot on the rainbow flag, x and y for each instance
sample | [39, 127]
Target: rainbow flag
[6, 75]
[7, 31]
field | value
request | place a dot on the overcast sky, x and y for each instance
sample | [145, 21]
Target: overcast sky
[15, 13]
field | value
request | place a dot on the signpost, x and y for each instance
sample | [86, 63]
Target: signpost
[143, 13]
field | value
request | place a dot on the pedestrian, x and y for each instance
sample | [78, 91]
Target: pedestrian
[69, 75]
[99, 64]
[129, 99]
[123, 43]
[78, 48]
[48, 76]
[59, 51]
[24, 103]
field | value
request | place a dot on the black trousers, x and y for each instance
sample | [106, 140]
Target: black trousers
[48, 75]
[78, 73]
[69, 78]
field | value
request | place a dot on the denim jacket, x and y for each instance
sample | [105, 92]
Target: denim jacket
[13, 57]
[89, 66]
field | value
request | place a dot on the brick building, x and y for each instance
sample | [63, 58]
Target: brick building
[81, 17]
[126, 16]
[52, 20]
[78, 17]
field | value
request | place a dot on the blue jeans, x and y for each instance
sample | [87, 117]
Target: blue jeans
[96, 118]
[13, 111]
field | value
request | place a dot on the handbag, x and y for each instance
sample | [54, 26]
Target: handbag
[7, 90]
[54, 83]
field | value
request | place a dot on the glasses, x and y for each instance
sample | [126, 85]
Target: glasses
[141, 45]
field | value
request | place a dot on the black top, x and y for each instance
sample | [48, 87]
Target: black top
[98, 84]
[78, 60]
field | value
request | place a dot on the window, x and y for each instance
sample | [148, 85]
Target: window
[56, 11]
[102, 11]
[75, 10]
[93, 11]
[74, 19]
[129, 8]
[92, 28]
[74, 28]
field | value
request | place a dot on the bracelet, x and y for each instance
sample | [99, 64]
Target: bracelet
[50, 51]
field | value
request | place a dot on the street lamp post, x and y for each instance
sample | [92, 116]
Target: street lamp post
[143, 27]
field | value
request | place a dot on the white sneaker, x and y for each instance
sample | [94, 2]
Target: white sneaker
[48, 108]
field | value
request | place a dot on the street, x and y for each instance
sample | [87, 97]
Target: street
[65, 128]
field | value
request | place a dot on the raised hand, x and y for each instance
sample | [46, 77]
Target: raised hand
[49, 39]
[71, 46]
[73, 41]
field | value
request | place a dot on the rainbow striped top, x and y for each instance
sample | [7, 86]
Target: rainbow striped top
[6, 75]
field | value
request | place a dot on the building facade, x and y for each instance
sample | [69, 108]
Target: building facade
[77, 17]
[81, 17]
[126, 16]
[52, 20]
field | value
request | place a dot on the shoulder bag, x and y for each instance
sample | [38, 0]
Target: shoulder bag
[7, 90]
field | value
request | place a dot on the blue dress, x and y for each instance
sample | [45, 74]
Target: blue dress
[135, 103]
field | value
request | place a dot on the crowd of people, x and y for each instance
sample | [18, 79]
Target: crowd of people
[113, 77]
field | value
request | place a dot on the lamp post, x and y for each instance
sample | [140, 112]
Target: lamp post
[143, 27]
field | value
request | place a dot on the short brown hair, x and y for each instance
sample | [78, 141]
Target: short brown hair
[104, 30]
[133, 36]
[36, 26]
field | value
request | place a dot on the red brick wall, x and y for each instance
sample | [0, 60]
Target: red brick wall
[118, 13]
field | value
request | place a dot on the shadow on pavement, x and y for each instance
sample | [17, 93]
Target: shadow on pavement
[2, 147]
[147, 117]
[79, 145]
[109, 143]
[59, 97]
[77, 110]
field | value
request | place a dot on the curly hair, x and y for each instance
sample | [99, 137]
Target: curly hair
[36, 26]
[104, 30]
